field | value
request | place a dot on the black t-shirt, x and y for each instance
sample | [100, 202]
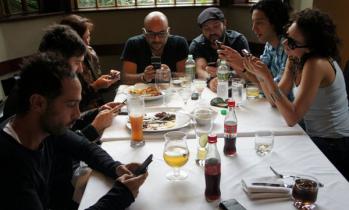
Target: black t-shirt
[137, 50]
[200, 47]
[26, 178]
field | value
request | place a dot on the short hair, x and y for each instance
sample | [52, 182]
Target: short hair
[78, 23]
[41, 74]
[319, 33]
[277, 13]
[63, 40]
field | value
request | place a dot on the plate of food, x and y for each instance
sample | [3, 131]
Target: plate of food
[149, 92]
[163, 121]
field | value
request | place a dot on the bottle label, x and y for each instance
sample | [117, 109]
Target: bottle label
[230, 128]
[223, 76]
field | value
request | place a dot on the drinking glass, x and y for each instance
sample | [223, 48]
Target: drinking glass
[199, 86]
[135, 106]
[237, 86]
[163, 81]
[185, 94]
[252, 91]
[203, 122]
[264, 142]
[176, 154]
[304, 192]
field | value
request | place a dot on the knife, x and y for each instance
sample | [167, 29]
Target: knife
[271, 184]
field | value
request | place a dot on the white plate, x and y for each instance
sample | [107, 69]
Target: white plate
[146, 98]
[182, 120]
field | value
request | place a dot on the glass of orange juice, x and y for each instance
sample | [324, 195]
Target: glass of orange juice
[135, 106]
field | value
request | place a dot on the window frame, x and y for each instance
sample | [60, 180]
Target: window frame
[68, 6]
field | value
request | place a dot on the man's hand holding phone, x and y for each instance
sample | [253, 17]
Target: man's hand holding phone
[149, 73]
[133, 175]
[132, 183]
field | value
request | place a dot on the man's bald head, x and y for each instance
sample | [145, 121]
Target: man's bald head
[155, 19]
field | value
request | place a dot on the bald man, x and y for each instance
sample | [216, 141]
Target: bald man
[155, 41]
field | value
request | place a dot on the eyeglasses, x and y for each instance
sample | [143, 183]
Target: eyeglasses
[292, 44]
[152, 35]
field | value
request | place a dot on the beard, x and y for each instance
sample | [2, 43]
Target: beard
[156, 45]
[52, 126]
[213, 37]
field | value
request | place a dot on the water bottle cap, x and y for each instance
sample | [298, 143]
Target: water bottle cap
[212, 138]
[223, 112]
[231, 103]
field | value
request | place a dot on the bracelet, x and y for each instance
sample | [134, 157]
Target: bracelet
[208, 81]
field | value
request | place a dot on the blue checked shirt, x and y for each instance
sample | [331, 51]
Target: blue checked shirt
[275, 59]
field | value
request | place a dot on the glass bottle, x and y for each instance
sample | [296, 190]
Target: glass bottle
[230, 130]
[212, 170]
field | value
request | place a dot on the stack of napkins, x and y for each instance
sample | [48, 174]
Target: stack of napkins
[268, 187]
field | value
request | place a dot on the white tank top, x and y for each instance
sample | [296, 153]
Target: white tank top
[328, 116]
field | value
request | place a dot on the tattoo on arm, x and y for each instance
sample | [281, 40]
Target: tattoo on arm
[276, 95]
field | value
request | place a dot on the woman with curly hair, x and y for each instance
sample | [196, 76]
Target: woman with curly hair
[320, 95]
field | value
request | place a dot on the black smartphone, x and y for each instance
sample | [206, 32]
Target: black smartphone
[231, 204]
[113, 76]
[143, 167]
[246, 53]
[218, 44]
[156, 62]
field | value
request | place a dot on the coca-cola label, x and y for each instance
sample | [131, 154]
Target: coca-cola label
[230, 128]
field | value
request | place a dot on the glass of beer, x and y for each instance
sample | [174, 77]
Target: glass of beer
[252, 91]
[176, 154]
[304, 192]
[135, 106]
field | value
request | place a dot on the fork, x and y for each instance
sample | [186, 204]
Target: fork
[288, 176]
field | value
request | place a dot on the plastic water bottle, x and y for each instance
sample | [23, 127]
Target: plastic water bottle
[190, 68]
[212, 170]
[230, 130]
[223, 77]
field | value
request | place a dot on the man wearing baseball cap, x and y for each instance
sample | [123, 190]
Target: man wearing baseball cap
[204, 48]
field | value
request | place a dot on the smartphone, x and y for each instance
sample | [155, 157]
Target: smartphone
[231, 204]
[143, 167]
[246, 53]
[218, 44]
[113, 76]
[156, 62]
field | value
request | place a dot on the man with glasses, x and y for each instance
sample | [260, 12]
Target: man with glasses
[204, 48]
[155, 41]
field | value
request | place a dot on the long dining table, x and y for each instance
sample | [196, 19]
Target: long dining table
[293, 153]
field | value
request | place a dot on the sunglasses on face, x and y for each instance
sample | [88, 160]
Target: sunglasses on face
[292, 44]
[152, 35]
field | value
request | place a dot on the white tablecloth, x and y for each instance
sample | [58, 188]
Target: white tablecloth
[293, 154]
[252, 115]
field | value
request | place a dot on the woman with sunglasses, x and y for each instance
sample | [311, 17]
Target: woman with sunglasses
[320, 94]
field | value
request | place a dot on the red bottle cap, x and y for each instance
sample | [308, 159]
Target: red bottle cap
[212, 138]
[231, 103]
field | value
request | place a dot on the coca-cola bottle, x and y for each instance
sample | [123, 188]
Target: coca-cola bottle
[212, 170]
[230, 128]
